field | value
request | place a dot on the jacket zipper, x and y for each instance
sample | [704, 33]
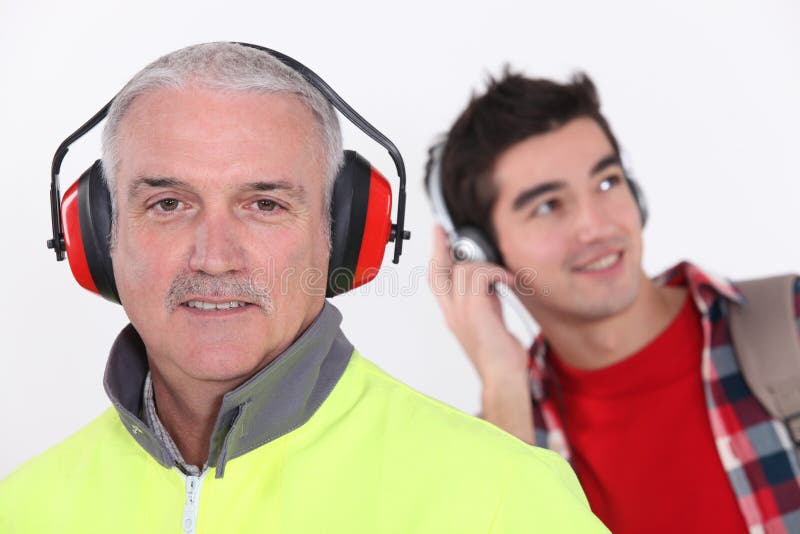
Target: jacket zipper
[193, 484]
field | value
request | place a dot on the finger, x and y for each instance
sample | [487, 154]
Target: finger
[440, 270]
[441, 248]
[525, 281]
[473, 288]
[484, 275]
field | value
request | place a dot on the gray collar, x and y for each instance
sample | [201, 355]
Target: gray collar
[278, 399]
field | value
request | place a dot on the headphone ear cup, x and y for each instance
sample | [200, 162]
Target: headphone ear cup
[638, 196]
[86, 210]
[361, 225]
[473, 245]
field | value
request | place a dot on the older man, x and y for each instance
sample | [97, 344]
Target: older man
[219, 159]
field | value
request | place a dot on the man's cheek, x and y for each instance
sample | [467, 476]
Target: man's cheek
[145, 275]
[304, 267]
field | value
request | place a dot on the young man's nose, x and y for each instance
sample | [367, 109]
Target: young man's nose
[592, 220]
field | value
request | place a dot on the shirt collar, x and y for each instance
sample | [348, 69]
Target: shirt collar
[703, 285]
[153, 422]
[276, 400]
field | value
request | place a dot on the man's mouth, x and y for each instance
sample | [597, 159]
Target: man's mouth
[215, 306]
[603, 262]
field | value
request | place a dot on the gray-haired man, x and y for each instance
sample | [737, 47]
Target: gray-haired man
[219, 159]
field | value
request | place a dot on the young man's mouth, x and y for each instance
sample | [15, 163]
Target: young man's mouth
[600, 263]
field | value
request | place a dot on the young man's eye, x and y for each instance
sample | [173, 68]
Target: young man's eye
[610, 181]
[545, 207]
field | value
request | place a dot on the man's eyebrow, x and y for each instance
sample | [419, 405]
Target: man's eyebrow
[529, 195]
[606, 162]
[154, 182]
[298, 192]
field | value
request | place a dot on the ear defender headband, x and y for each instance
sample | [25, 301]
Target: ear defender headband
[469, 243]
[361, 205]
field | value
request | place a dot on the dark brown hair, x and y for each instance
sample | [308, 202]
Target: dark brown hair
[512, 109]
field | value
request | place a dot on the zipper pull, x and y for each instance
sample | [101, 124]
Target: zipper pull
[190, 509]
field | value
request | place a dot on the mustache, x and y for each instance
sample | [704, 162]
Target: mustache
[229, 287]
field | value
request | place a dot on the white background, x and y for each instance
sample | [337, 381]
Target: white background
[703, 95]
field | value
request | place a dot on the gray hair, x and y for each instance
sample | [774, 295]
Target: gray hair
[225, 67]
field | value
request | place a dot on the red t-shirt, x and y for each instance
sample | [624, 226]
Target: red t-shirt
[641, 439]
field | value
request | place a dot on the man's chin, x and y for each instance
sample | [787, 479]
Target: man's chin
[219, 359]
[609, 304]
[584, 304]
[212, 366]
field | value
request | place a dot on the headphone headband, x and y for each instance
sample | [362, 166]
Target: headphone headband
[435, 189]
[398, 232]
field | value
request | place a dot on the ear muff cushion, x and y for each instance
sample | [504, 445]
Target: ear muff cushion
[348, 220]
[94, 214]
[479, 240]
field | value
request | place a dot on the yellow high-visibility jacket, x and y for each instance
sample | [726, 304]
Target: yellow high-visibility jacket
[330, 446]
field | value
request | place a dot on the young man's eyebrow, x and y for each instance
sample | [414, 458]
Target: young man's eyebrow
[529, 195]
[606, 162]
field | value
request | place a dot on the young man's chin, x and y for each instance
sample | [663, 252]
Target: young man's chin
[576, 304]
[612, 301]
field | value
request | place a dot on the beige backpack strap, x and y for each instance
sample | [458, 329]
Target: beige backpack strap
[765, 338]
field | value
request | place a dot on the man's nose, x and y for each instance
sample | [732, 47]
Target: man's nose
[218, 243]
[592, 220]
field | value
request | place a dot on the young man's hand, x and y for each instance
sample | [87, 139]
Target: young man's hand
[467, 295]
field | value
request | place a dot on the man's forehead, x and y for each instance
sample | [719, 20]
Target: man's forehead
[255, 137]
[159, 108]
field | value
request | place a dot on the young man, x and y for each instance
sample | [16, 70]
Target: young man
[633, 380]
[239, 405]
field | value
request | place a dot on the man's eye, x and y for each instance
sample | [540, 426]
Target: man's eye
[610, 181]
[168, 204]
[266, 204]
[545, 207]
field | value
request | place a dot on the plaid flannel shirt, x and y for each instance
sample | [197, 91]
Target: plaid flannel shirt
[756, 450]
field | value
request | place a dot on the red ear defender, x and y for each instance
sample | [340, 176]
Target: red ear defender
[86, 224]
[74, 240]
[361, 224]
[377, 230]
